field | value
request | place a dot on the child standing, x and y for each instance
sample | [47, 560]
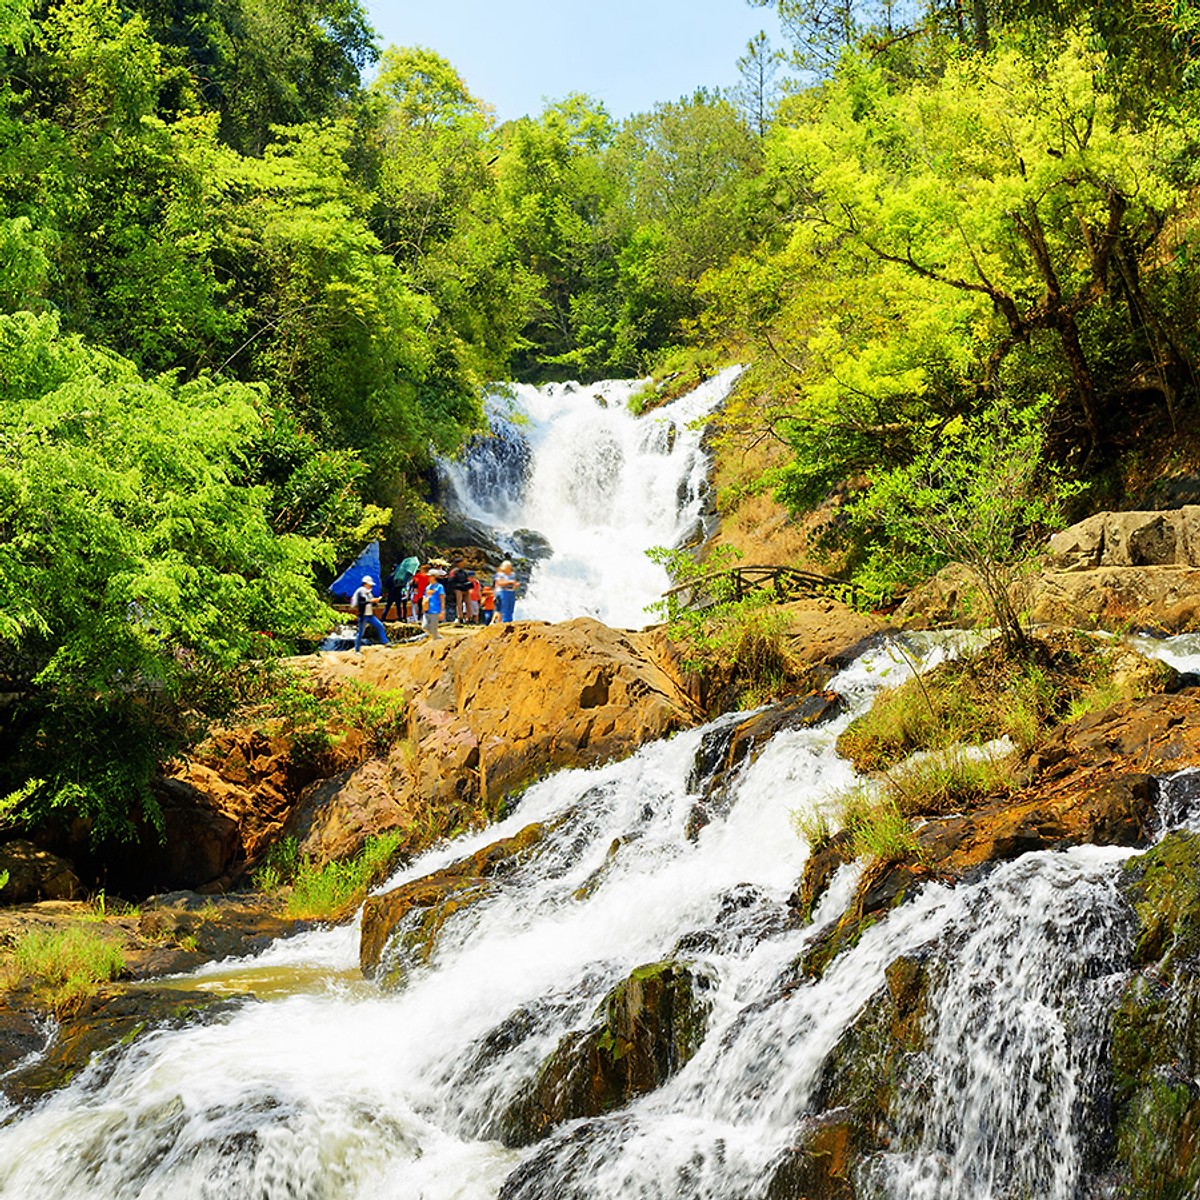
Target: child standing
[435, 598]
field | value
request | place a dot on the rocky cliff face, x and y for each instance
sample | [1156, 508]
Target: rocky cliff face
[484, 716]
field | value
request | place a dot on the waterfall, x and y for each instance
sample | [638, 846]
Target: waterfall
[347, 1089]
[601, 485]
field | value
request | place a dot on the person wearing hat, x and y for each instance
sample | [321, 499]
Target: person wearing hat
[363, 602]
[435, 602]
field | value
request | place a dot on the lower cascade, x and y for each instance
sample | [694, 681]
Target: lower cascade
[625, 1005]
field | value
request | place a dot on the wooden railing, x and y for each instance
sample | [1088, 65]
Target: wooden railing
[788, 583]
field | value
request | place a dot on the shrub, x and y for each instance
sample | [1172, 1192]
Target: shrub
[814, 825]
[64, 967]
[741, 644]
[878, 829]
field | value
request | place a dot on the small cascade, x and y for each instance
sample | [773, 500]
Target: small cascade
[599, 484]
[357, 1090]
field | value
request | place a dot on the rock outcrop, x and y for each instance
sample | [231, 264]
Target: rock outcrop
[1156, 1025]
[485, 716]
[650, 1025]
[423, 905]
[35, 874]
[1130, 539]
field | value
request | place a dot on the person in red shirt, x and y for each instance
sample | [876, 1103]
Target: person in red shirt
[487, 596]
[420, 582]
[474, 598]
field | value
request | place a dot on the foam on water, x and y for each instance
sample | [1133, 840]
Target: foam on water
[600, 484]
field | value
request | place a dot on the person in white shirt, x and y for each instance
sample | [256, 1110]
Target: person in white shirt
[363, 602]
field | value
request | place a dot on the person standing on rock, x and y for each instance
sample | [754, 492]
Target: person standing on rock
[435, 600]
[506, 585]
[419, 584]
[458, 587]
[363, 602]
[397, 588]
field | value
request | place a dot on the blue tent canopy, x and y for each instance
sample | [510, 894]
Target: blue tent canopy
[367, 563]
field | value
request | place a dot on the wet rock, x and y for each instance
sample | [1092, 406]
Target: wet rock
[530, 545]
[103, 1025]
[22, 1034]
[216, 927]
[819, 869]
[868, 1069]
[460, 533]
[745, 916]
[417, 910]
[724, 751]
[650, 1025]
[1156, 1025]
[35, 874]
[1119, 811]
[818, 1166]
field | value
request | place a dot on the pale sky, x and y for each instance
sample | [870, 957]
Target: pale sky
[627, 53]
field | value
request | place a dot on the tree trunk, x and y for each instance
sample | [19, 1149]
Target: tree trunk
[979, 19]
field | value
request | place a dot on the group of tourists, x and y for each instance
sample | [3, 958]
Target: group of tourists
[428, 593]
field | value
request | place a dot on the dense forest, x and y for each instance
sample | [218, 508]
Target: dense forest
[256, 273]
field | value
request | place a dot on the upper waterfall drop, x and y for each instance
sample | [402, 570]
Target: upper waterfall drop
[602, 485]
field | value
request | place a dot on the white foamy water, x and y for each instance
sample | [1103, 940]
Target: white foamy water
[348, 1091]
[601, 485]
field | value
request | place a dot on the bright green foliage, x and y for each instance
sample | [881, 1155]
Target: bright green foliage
[971, 498]
[989, 233]
[130, 561]
[333, 891]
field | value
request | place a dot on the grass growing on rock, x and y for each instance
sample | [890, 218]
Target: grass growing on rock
[972, 701]
[332, 890]
[62, 968]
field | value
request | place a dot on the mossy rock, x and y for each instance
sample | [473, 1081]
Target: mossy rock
[650, 1025]
[108, 1022]
[1156, 1026]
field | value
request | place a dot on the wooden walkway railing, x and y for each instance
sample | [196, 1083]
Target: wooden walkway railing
[788, 583]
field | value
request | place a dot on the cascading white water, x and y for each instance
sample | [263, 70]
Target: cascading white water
[601, 485]
[347, 1091]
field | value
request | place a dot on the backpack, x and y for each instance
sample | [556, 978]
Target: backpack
[360, 603]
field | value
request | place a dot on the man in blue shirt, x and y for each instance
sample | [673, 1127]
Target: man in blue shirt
[363, 603]
[435, 602]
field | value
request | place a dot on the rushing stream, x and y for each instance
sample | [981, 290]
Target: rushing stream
[327, 1087]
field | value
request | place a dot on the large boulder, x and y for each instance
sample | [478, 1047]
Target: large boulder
[650, 1025]
[1130, 539]
[486, 715]
[1156, 1025]
[35, 874]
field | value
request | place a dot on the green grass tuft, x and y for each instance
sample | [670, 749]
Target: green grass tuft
[64, 967]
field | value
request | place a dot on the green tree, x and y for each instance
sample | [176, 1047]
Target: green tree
[974, 495]
[133, 566]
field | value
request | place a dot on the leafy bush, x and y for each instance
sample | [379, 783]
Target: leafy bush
[878, 829]
[740, 644]
[134, 567]
[973, 496]
[64, 968]
[317, 717]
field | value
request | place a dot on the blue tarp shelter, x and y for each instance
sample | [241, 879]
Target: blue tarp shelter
[367, 563]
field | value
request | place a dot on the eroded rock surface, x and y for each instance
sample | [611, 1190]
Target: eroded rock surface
[434, 898]
[650, 1025]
